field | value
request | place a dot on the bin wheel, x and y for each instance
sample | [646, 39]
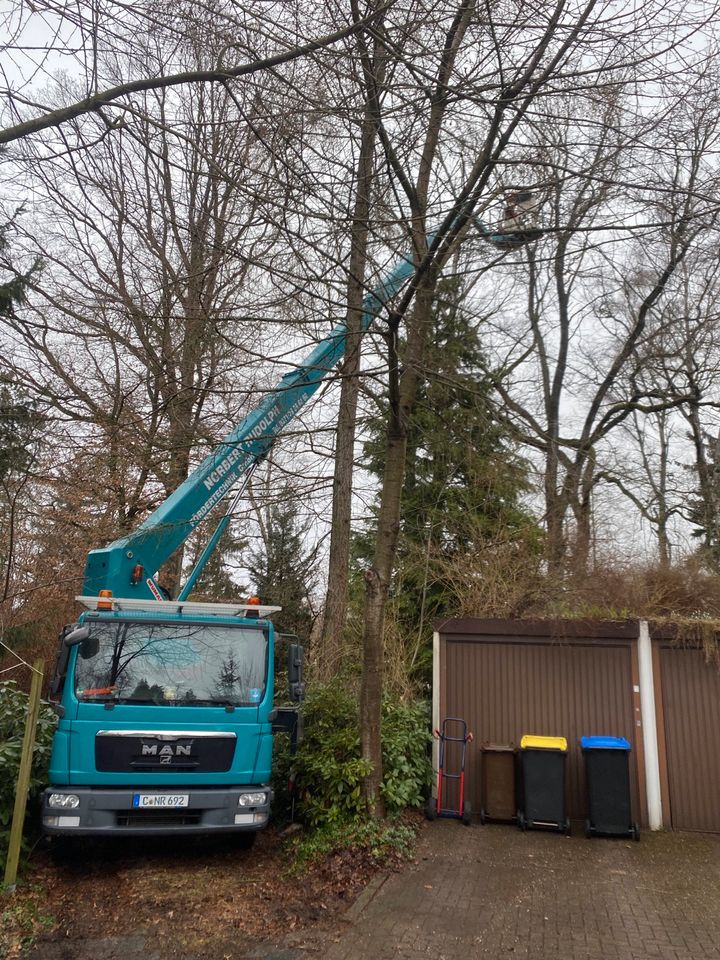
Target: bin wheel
[483, 816]
[636, 832]
[522, 822]
[588, 829]
[467, 813]
[431, 809]
[568, 828]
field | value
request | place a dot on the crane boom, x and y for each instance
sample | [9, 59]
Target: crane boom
[116, 567]
[127, 566]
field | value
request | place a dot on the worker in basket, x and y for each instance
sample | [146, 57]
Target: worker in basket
[520, 211]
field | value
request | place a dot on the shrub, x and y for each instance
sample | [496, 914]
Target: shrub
[406, 753]
[328, 766]
[13, 713]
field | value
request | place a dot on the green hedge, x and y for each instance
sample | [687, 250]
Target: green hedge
[13, 712]
[329, 770]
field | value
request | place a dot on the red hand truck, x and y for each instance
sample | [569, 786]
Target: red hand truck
[435, 806]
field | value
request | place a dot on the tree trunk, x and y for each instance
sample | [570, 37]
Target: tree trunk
[554, 516]
[339, 566]
[402, 395]
[582, 510]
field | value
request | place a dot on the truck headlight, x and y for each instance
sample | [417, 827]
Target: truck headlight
[64, 801]
[252, 799]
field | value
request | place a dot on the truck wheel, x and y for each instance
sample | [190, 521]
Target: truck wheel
[245, 840]
[67, 849]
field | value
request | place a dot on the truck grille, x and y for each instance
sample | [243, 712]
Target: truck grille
[158, 818]
[188, 752]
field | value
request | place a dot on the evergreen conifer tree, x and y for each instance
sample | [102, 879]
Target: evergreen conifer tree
[464, 480]
[282, 568]
[19, 416]
[13, 282]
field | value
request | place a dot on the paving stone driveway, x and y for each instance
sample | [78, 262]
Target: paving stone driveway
[496, 892]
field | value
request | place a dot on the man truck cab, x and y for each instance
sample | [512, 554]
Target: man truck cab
[166, 719]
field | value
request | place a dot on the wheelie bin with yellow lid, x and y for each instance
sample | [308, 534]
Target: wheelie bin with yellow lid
[542, 767]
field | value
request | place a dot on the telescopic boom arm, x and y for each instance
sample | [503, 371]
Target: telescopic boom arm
[127, 567]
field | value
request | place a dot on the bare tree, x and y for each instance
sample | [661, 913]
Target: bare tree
[138, 322]
[413, 164]
[592, 308]
[85, 34]
[370, 82]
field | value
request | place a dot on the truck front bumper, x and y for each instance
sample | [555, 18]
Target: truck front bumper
[106, 812]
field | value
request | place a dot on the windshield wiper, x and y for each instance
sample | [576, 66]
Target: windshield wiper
[228, 704]
[138, 701]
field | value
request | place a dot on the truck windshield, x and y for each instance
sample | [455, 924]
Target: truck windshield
[173, 663]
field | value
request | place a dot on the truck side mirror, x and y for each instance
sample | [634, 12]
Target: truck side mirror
[89, 646]
[79, 635]
[68, 638]
[295, 668]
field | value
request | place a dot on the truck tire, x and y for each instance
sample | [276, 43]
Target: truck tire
[245, 840]
[67, 849]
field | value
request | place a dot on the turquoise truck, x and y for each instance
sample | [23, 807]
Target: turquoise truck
[166, 706]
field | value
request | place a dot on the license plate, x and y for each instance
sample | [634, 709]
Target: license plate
[145, 800]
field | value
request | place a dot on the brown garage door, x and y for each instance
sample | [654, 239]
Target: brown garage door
[506, 688]
[691, 704]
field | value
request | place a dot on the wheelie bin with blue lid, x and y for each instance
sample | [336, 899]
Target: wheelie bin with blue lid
[607, 774]
[542, 766]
